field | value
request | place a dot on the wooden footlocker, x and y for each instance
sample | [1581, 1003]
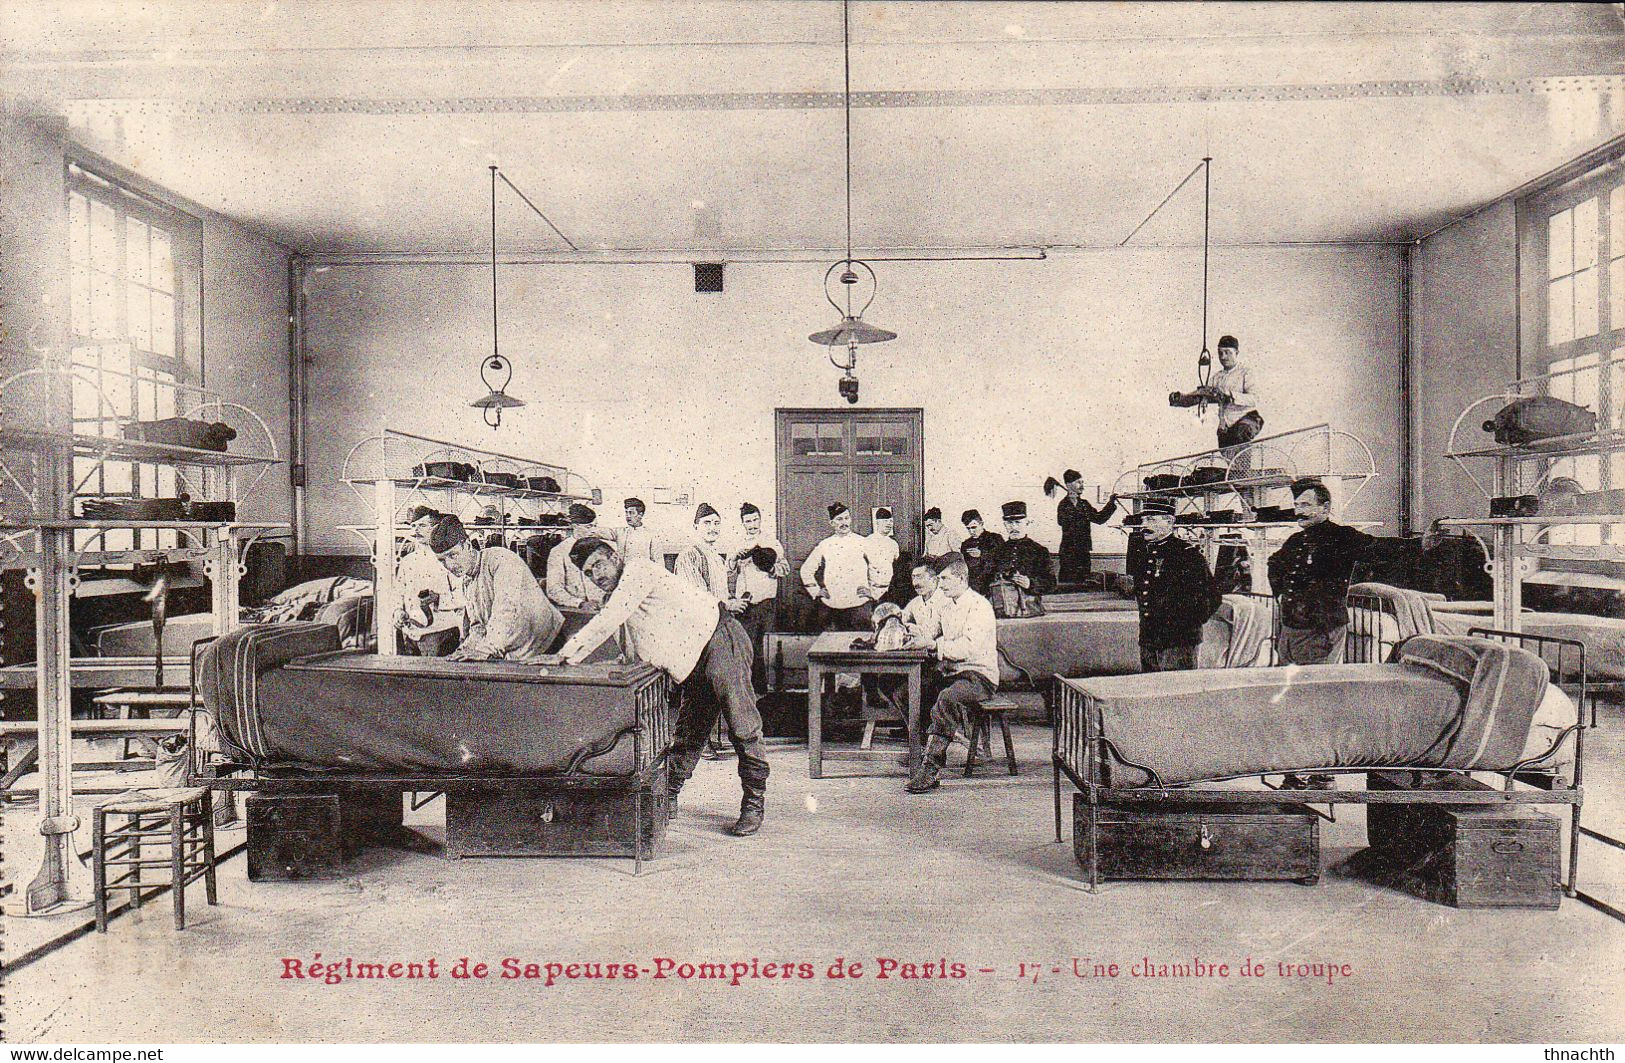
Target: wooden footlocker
[1466, 856]
[1192, 840]
[557, 821]
[310, 835]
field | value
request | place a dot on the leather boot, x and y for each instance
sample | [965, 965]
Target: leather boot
[926, 772]
[751, 808]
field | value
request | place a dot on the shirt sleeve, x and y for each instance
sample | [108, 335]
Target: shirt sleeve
[980, 640]
[691, 567]
[1101, 516]
[809, 567]
[633, 589]
[505, 629]
[557, 581]
[1243, 390]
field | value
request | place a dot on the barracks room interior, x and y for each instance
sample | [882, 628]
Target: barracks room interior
[1043, 500]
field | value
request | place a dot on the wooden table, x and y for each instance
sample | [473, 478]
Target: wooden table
[832, 653]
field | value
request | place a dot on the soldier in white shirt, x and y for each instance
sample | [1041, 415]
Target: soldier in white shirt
[758, 589]
[429, 610]
[938, 541]
[565, 583]
[882, 549]
[635, 540]
[836, 575]
[968, 652]
[675, 625]
[703, 562]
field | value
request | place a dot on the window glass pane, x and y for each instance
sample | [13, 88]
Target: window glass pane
[80, 283]
[84, 405]
[830, 439]
[166, 395]
[83, 467]
[1616, 294]
[1586, 387]
[166, 482]
[1560, 244]
[1560, 311]
[163, 325]
[103, 238]
[1616, 224]
[135, 251]
[78, 230]
[803, 439]
[870, 441]
[1588, 470]
[116, 477]
[116, 359]
[163, 264]
[139, 318]
[1585, 234]
[1585, 303]
[103, 307]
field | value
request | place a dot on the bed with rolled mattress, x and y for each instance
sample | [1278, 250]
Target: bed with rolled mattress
[1505, 704]
[284, 709]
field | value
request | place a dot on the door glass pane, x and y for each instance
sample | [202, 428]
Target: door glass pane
[803, 439]
[870, 440]
[1585, 234]
[1560, 244]
[1560, 311]
[897, 440]
[830, 441]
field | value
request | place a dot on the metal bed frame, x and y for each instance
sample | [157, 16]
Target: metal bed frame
[1080, 750]
[652, 735]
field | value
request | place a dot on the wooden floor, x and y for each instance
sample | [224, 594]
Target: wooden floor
[853, 869]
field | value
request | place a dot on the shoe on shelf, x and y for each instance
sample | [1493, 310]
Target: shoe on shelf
[1319, 782]
[1290, 781]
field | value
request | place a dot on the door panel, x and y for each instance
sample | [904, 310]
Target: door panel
[803, 516]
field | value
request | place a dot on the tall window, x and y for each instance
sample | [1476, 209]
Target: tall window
[134, 268]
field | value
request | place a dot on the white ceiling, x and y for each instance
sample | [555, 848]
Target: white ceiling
[367, 126]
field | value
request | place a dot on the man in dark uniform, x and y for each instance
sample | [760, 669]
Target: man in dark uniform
[1075, 515]
[1023, 564]
[981, 550]
[1175, 591]
[1310, 576]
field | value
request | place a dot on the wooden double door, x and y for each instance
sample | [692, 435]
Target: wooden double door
[864, 458]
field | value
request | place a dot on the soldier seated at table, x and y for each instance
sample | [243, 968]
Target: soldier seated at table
[967, 650]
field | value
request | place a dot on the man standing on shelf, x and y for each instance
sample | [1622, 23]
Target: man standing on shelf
[506, 617]
[836, 575]
[938, 541]
[981, 552]
[635, 540]
[565, 583]
[967, 650]
[1022, 570]
[1075, 516]
[672, 624]
[756, 587]
[1235, 386]
[1174, 589]
[429, 611]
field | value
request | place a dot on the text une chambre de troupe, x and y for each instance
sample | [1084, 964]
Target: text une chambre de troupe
[333, 971]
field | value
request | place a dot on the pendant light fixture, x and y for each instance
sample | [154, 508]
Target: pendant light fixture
[496, 372]
[852, 330]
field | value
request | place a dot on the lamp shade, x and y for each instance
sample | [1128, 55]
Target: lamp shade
[497, 400]
[852, 330]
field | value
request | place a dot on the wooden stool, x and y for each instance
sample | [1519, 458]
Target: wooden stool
[179, 820]
[981, 722]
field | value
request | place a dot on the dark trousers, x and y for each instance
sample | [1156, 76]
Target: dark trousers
[719, 686]
[857, 618]
[1168, 659]
[1303, 645]
[757, 620]
[1076, 563]
[950, 713]
[1244, 430]
[434, 644]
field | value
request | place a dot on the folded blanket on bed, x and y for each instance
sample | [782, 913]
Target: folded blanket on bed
[1412, 609]
[1453, 703]
[1505, 684]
